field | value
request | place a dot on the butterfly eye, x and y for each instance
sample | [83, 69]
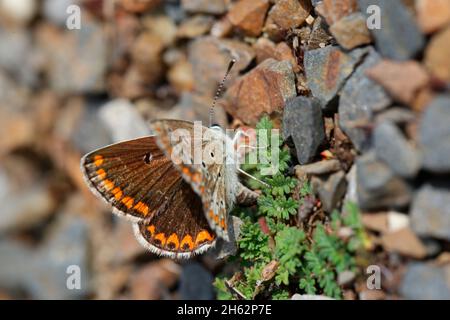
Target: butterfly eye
[147, 158]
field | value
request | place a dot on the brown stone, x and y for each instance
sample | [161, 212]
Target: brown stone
[404, 242]
[437, 55]
[263, 90]
[265, 49]
[221, 28]
[286, 15]
[351, 31]
[248, 16]
[205, 6]
[195, 26]
[402, 80]
[139, 6]
[432, 15]
[333, 10]
[180, 76]
[376, 222]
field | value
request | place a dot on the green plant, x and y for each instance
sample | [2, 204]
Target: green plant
[281, 258]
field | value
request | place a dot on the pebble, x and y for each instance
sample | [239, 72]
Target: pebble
[395, 150]
[377, 185]
[430, 211]
[216, 7]
[298, 296]
[195, 26]
[433, 135]
[248, 16]
[351, 31]
[346, 277]
[265, 49]
[399, 37]
[404, 242]
[318, 168]
[263, 90]
[139, 6]
[397, 115]
[402, 79]
[196, 282]
[376, 221]
[360, 98]
[333, 11]
[432, 15]
[425, 281]
[437, 53]
[123, 121]
[286, 15]
[302, 120]
[21, 11]
[330, 189]
[55, 11]
[327, 69]
[397, 221]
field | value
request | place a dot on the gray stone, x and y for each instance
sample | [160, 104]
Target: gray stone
[55, 10]
[302, 120]
[398, 37]
[393, 149]
[123, 120]
[327, 69]
[196, 282]
[15, 263]
[434, 135]
[378, 187]
[331, 189]
[396, 115]
[426, 282]
[360, 98]
[205, 6]
[430, 211]
[318, 168]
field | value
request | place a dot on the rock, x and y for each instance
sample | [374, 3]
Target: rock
[318, 168]
[286, 15]
[27, 207]
[351, 31]
[402, 80]
[210, 58]
[221, 28]
[404, 242]
[424, 281]
[346, 277]
[123, 120]
[397, 115]
[55, 10]
[126, 246]
[433, 135]
[333, 11]
[217, 7]
[302, 120]
[327, 69]
[154, 280]
[195, 26]
[377, 185]
[248, 16]
[372, 295]
[432, 15]
[430, 211]
[375, 221]
[399, 37]
[352, 192]
[360, 98]
[397, 221]
[76, 60]
[331, 189]
[21, 11]
[66, 245]
[196, 283]
[297, 296]
[139, 6]
[437, 53]
[265, 49]
[180, 76]
[394, 150]
[265, 89]
[164, 29]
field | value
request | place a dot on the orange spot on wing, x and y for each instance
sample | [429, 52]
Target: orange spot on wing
[202, 189]
[162, 238]
[151, 229]
[216, 219]
[211, 214]
[222, 223]
[117, 192]
[98, 160]
[142, 208]
[128, 202]
[186, 171]
[203, 236]
[101, 173]
[174, 240]
[187, 240]
[109, 185]
[196, 177]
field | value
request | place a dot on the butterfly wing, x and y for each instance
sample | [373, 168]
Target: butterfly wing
[141, 184]
[209, 177]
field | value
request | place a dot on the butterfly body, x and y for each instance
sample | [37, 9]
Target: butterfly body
[178, 202]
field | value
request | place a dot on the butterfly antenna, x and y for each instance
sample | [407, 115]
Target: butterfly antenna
[219, 90]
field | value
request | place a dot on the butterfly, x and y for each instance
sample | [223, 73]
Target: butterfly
[178, 206]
